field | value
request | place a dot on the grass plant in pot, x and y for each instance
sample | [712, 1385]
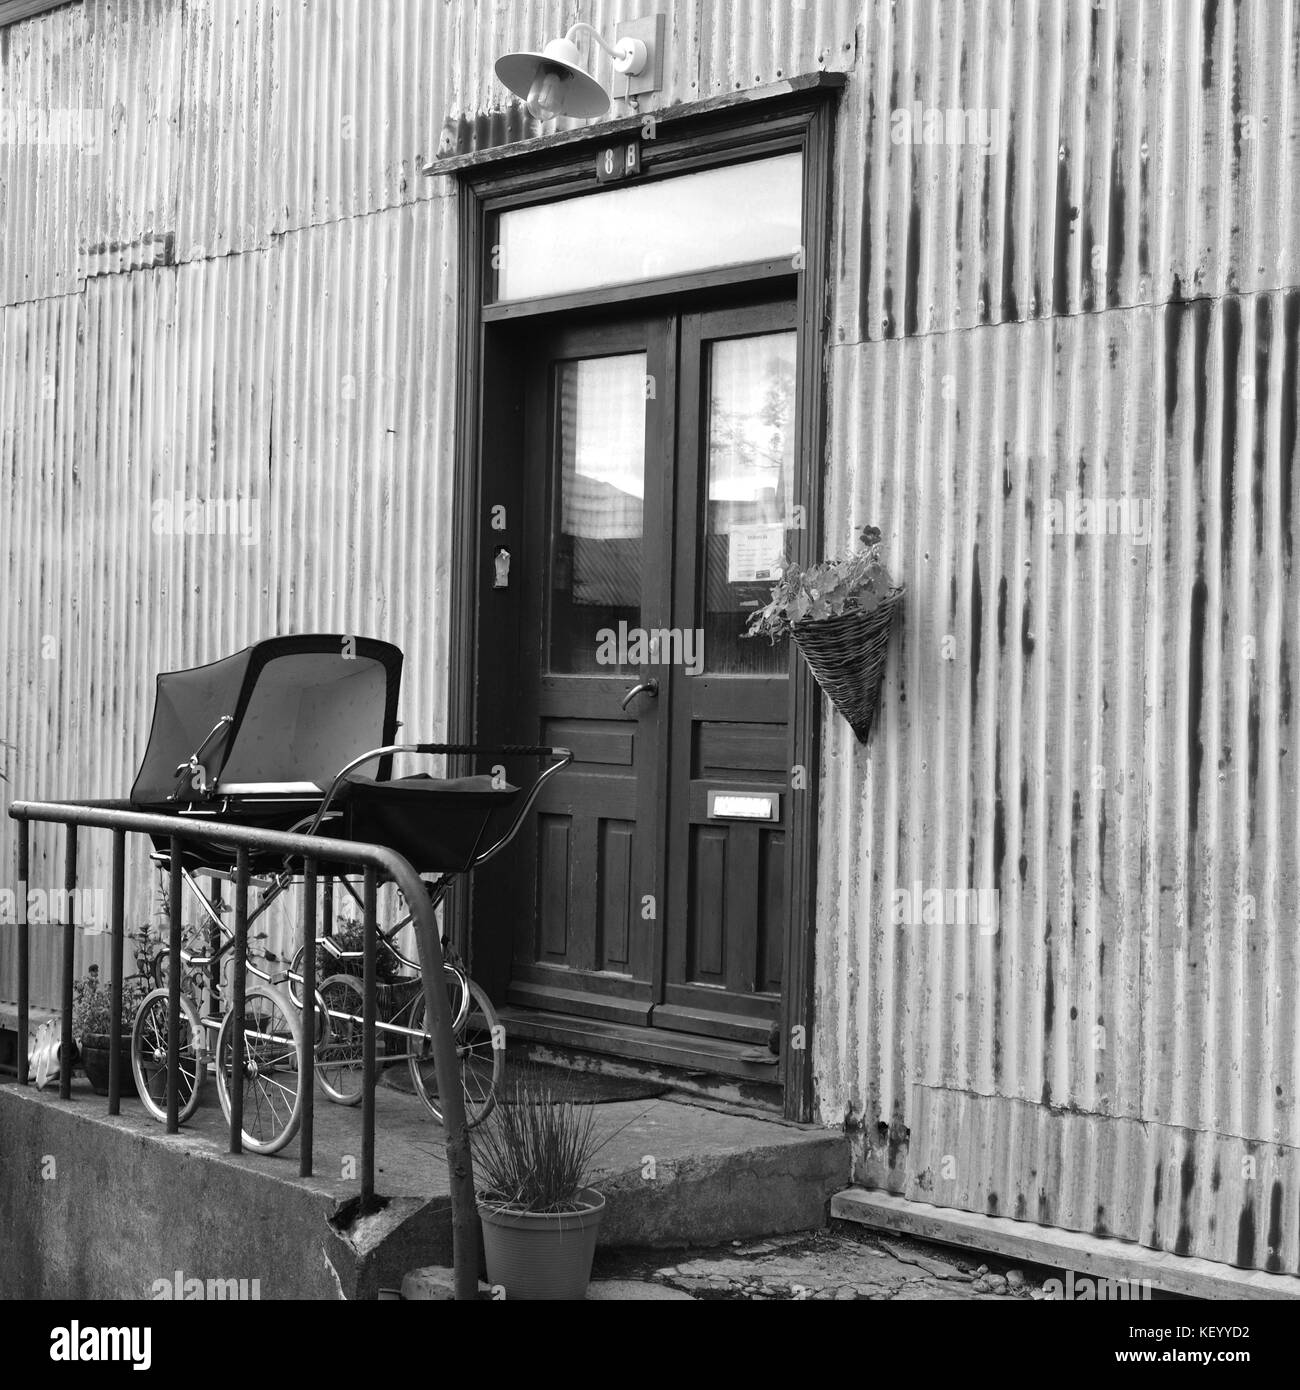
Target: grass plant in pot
[540, 1217]
[92, 1014]
[839, 613]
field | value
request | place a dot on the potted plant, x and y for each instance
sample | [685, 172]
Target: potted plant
[839, 613]
[92, 1013]
[540, 1217]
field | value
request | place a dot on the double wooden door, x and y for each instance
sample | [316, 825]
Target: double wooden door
[658, 488]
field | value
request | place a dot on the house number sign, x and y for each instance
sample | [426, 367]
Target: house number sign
[619, 161]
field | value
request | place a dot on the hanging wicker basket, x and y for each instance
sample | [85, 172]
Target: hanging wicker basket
[847, 658]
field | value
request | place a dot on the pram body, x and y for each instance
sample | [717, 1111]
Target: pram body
[276, 737]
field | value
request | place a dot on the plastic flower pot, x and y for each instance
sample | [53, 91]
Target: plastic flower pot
[536, 1255]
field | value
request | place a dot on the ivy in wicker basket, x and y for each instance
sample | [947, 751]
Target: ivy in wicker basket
[839, 613]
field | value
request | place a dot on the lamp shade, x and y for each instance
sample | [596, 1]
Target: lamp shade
[566, 89]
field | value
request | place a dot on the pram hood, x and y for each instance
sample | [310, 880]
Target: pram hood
[301, 707]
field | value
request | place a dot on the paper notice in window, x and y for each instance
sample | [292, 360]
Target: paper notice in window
[754, 553]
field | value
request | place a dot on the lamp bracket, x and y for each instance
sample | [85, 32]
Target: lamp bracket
[649, 31]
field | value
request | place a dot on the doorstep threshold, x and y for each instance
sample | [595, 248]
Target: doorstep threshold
[662, 1046]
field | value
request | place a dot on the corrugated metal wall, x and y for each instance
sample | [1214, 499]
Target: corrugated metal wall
[243, 294]
[248, 291]
[1097, 728]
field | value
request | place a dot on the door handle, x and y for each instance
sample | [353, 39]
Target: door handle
[650, 687]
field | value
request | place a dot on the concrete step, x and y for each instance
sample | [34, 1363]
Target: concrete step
[124, 1206]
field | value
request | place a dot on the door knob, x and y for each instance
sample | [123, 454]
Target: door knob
[650, 687]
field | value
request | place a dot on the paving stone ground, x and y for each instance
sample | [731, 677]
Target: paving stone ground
[845, 1264]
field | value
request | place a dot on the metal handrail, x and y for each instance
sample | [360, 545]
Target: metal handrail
[375, 860]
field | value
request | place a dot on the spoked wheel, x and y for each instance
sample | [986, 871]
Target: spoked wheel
[479, 1048]
[340, 1008]
[149, 1056]
[272, 1079]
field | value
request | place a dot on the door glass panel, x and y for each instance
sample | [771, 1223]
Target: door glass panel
[645, 231]
[596, 554]
[750, 499]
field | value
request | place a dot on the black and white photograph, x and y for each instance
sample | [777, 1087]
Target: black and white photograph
[648, 652]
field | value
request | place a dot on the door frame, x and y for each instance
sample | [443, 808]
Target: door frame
[794, 116]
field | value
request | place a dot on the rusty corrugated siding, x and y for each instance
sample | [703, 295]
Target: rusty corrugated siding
[41, 108]
[133, 70]
[1097, 729]
[1148, 153]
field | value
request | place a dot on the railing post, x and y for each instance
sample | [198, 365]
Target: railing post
[446, 1063]
[307, 1062]
[368, 1012]
[174, 986]
[24, 950]
[69, 960]
[238, 987]
[117, 891]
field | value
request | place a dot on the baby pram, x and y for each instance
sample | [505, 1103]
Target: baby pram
[277, 736]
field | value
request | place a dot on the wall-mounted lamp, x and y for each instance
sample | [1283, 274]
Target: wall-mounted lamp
[555, 83]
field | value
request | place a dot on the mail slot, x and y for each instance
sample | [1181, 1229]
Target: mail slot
[737, 805]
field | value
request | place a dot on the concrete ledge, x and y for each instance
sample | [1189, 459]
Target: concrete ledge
[1046, 1245]
[91, 1209]
[93, 1206]
[690, 1175]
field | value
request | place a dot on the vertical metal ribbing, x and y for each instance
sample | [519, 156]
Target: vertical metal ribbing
[238, 984]
[24, 951]
[117, 891]
[307, 1061]
[69, 961]
[174, 987]
[369, 927]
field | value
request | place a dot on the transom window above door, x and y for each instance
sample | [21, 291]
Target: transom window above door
[734, 215]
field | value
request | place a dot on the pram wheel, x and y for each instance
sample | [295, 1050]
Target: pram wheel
[272, 1078]
[478, 1049]
[149, 1035]
[338, 1051]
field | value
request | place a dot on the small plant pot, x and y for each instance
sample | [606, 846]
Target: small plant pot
[542, 1255]
[95, 1055]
